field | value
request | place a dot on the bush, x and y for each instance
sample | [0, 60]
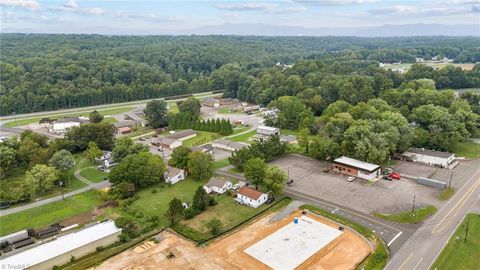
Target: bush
[154, 191]
[99, 248]
[214, 225]
[212, 202]
[190, 213]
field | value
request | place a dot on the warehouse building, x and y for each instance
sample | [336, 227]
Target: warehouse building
[357, 168]
[430, 157]
[59, 251]
[229, 145]
[266, 130]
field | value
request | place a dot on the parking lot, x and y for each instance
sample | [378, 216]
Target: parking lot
[383, 196]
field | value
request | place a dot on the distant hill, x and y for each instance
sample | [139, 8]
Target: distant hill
[376, 31]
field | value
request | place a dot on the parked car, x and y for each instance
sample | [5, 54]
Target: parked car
[350, 179]
[236, 186]
[270, 200]
[394, 175]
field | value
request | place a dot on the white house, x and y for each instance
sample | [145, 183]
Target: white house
[251, 197]
[229, 145]
[266, 130]
[105, 155]
[109, 163]
[217, 185]
[174, 175]
[430, 157]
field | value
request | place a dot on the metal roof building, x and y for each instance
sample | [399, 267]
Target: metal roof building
[59, 251]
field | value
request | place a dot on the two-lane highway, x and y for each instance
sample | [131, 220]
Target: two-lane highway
[424, 246]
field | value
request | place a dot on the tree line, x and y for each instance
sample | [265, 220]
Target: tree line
[48, 72]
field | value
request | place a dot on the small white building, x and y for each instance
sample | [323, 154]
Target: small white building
[430, 157]
[109, 163]
[251, 197]
[229, 145]
[60, 251]
[266, 130]
[168, 143]
[174, 175]
[63, 125]
[105, 155]
[217, 185]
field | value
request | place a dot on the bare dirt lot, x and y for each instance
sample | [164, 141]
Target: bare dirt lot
[345, 252]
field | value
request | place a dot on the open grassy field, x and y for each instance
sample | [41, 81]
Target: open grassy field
[457, 254]
[201, 138]
[243, 137]
[110, 120]
[407, 217]
[156, 202]
[227, 211]
[47, 214]
[26, 121]
[220, 163]
[93, 174]
[468, 149]
[446, 194]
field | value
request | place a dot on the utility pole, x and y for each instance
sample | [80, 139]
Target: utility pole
[466, 230]
[413, 206]
[450, 181]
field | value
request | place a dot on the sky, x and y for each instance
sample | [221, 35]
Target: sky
[159, 17]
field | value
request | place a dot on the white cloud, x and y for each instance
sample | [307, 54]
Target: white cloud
[413, 10]
[476, 8]
[27, 4]
[292, 10]
[71, 4]
[335, 2]
[247, 6]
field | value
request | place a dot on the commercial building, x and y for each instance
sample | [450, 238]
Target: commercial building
[266, 130]
[430, 157]
[210, 102]
[229, 145]
[183, 135]
[251, 197]
[124, 130]
[357, 168]
[63, 125]
[168, 143]
[60, 251]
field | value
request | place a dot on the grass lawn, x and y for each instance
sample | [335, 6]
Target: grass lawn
[201, 138]
[243, 137]
[289, 132]
[110, 120]
[467, 149]
[446, 194]
[239, 129]
[26, 121]
[457, 254]
[220, 163]
[407, 217]
[150, 203]
[227, 211]
[229, 110]
[48, 214]
[93, 174]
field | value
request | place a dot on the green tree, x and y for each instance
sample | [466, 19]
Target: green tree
[62, 160]
[214, 225]
[7, 159]
[179, 157]
[255, 170]
[275, 179]
[93, 151]
[175, 211]
[100, 133]
[200, 165]
[123, 190]
[191, 104]
[125, 146]
[41, 178]
[156, 113]
[142, 169]
[200, 199]
[324, 148]
[95, 117]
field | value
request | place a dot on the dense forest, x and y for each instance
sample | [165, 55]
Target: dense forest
[46, 72]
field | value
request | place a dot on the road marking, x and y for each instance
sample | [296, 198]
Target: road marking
[421, 259]
[458, 205]
[355, 214]
[394, 238]
[406, 260]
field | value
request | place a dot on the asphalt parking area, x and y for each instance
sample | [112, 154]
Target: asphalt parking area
[383, 196]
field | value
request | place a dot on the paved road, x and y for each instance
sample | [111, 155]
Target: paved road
[394, 235]
[54, 199]
[424, 246]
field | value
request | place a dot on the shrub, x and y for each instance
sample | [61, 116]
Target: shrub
[99, 248]
[190, 213]
[154, 191]
[214, 225]
[212, 202]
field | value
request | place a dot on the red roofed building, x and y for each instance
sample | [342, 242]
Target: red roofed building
[251, 197]
[124, 130]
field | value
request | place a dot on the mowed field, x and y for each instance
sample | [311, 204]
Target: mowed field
[345, 252]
